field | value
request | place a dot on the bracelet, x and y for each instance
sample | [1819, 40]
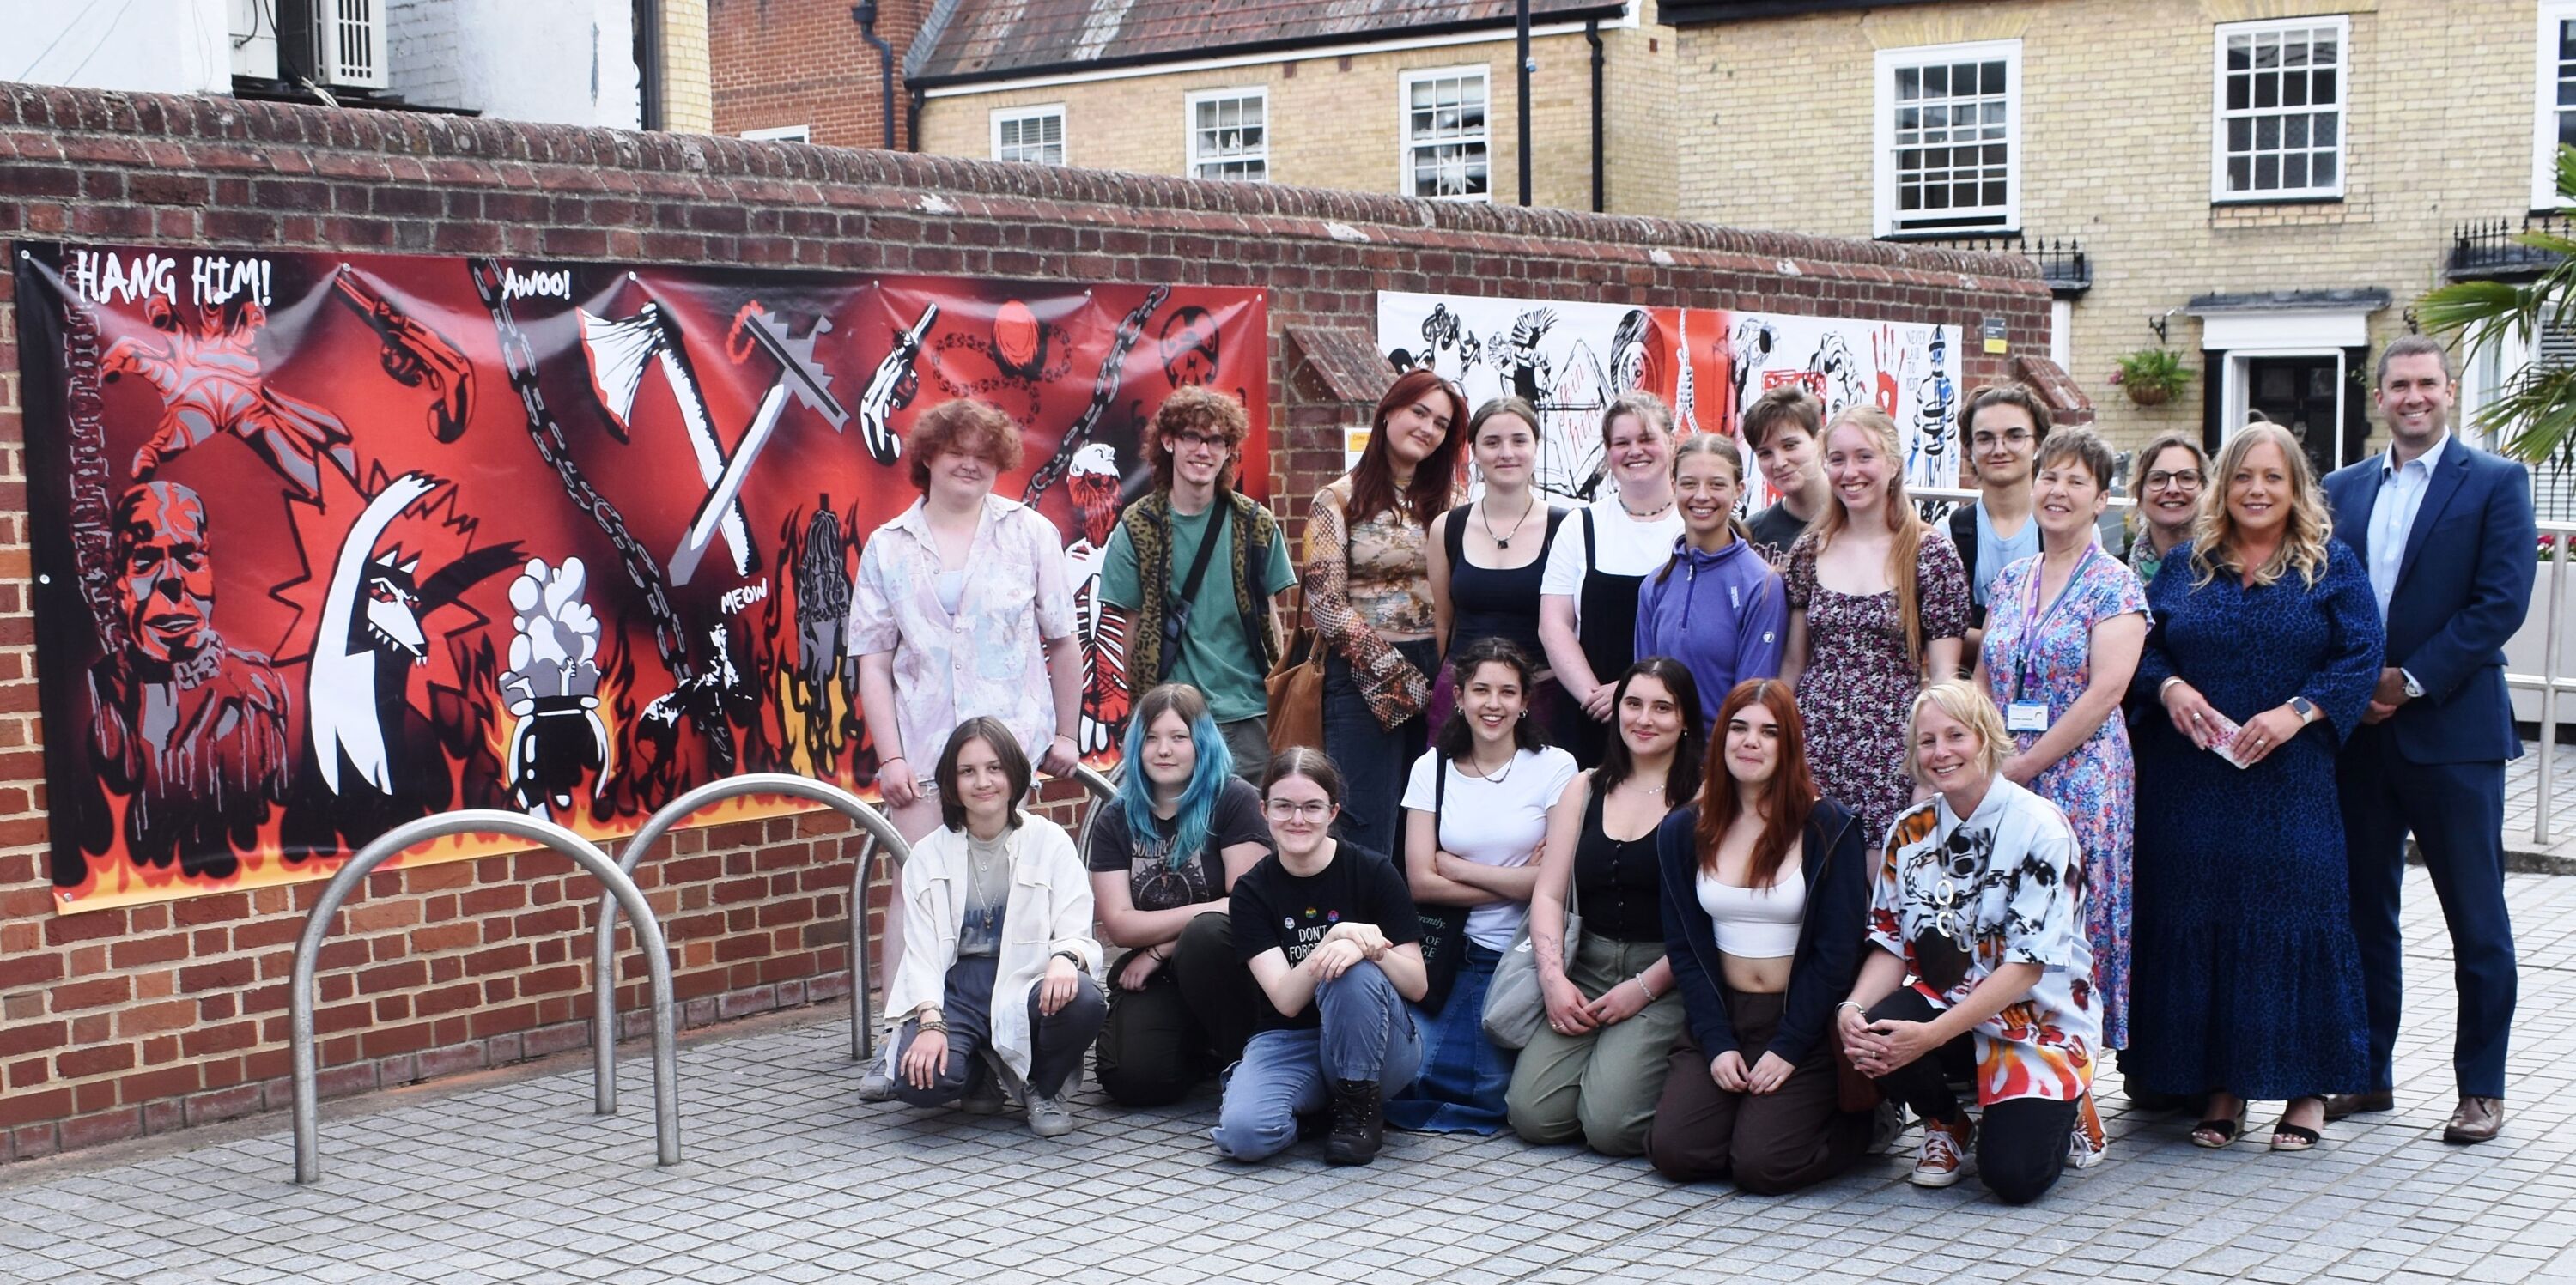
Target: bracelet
[1854, 1004]
[882, 764]
[2167, 685]
[1640, 980]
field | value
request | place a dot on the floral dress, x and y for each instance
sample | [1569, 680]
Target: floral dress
[2043, 652]
[1859, 683]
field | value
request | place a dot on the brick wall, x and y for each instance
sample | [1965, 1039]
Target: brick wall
[2116, 119]
[119, 1022]
[776, 63]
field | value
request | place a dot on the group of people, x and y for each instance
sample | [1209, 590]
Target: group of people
[1723, 841]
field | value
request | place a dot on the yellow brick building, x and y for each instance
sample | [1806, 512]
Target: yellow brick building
[1409, 97]
[2265, 186]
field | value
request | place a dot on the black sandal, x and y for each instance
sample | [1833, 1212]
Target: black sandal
[2293, 1137]
[2226, 1129]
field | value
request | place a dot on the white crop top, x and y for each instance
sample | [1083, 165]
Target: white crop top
[1756, 923]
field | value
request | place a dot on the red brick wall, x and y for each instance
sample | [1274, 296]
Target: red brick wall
[140, 1020]
[802, 62]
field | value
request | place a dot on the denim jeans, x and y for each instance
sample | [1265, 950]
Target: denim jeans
[1375, 760]
[1367, 1034]
[1057, 1042]
[1465, 1076]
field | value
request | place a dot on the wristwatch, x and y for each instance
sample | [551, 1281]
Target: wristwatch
[2304, 708]
[2414, 690]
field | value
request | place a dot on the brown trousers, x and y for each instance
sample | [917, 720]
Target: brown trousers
[1771, 1143]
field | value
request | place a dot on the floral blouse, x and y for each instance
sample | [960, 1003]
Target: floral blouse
[1959, 899]
[987, 659]
[1367, 585]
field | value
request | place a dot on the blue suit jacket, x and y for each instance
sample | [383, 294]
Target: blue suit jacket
[2462, 590]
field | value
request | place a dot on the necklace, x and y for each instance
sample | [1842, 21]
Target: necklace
[1496, 778]
[1650, 514]
[1505, 541]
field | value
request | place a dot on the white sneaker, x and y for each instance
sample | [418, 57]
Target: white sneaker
[2087, 1145]
[876, 1080]
[1943, 1157]
[1048, 1117]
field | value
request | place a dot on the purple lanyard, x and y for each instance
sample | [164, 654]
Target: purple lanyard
[2040, 617]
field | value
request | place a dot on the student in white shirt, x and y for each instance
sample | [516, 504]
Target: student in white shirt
[1587, 614]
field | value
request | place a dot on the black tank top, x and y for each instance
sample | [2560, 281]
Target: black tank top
[1617, 885]
[1485, 603]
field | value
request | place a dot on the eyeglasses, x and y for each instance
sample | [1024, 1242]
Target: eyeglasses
[1285, 810]
[2162, 478]
[2016, 436]
[1203, 439]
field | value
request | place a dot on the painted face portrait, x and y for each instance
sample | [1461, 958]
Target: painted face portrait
[165, 584]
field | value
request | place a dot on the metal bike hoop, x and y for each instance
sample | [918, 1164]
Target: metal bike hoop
[621, 891]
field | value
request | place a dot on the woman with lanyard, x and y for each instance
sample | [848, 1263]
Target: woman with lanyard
[2063, 634]
[1487, 557]
[1588, 597]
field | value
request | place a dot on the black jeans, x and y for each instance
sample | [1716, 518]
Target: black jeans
[1375, 760]
[1191, 1019]
[2021, 1145]
[1056, 1044]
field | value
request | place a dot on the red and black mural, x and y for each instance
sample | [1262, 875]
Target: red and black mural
[326, 543]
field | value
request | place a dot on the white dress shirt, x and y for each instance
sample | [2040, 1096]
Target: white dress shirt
[2392, 518]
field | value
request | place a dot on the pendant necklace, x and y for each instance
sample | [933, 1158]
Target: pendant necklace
[1505, 541]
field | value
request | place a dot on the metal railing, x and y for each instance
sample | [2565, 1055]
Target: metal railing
[2548, 681]
[621, 891]
[603, 1039]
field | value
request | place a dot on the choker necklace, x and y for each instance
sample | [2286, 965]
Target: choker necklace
[1647, 516]
[1505, 541]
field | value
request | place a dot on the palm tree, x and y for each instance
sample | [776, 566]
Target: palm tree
[2535, 417]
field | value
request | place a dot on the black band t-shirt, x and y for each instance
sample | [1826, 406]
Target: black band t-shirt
[1153, 882]
[1274, 909]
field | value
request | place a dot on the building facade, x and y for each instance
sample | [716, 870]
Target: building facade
[2262, 186]
[805, 70]
[1407, 97]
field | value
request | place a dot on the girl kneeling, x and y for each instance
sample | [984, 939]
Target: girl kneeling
[998, 962]
[1331, 937]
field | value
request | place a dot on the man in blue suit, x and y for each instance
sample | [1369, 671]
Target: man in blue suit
[2446, 530]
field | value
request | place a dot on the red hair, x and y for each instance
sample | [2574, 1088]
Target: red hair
[1435, 480]
[1786, 802]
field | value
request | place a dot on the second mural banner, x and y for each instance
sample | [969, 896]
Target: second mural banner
[327, 543]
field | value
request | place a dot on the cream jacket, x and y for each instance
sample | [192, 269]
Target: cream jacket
[1049, 910]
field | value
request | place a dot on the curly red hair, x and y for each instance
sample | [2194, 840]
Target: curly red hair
[962, 424]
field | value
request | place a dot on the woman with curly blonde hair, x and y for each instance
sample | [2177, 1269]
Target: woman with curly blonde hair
[2263, 652]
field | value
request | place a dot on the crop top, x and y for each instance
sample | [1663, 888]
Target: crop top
[1756, 923]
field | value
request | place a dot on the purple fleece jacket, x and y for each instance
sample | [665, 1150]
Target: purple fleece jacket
[1723, 615]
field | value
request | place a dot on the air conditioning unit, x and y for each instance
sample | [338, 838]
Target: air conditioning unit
[349, 43]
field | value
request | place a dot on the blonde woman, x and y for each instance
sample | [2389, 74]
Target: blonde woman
[2265, 645]
[1878, 604]
[1587, 613]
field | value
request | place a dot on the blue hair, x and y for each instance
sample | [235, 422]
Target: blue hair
[1207, 779]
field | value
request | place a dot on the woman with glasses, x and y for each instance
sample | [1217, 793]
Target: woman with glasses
[1331, 937]
[2169, 474]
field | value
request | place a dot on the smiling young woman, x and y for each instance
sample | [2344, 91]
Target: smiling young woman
[1588, 597]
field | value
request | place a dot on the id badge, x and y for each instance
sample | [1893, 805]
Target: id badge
[2026, 716]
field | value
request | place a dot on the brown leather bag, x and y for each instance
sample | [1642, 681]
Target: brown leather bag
[1296, 690]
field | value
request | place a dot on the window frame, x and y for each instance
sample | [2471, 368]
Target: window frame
[1885, 216]
[779, 134]
[1190, 158]
[1032, 111]
[1405, 146]
[2544, 104]
[2218, 117]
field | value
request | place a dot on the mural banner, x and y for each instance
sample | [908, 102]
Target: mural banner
[1569, 358]
[327, 543]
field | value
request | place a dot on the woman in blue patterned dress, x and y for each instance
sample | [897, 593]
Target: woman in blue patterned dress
[2266, 643]
[2063, 632]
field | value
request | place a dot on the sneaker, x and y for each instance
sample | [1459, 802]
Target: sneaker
[1887, 1127]
[1359, 1123]
[1943, 1157]
[876, 1079]
[1048, 1117]
[2088, 1144]
[983, 1094]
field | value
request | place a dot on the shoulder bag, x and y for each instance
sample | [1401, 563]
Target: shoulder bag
[1295, 689]
[1444, 928]
[1515, 1005]
[1176, 608]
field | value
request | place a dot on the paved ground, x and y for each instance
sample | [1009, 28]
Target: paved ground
[2521, 806]
[789, 1178]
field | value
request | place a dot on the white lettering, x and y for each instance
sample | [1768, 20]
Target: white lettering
[737, 599]
[520, 285]
[215, 279]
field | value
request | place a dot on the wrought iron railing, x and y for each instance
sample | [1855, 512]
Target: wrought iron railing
[2493, 249]
[2061, 261]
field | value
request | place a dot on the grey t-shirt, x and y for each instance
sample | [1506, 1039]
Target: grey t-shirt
[988, 895]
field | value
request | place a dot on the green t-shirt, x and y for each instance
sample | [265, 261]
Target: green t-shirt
[1214, 656]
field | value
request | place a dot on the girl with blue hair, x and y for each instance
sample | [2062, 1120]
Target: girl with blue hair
[1164, 854]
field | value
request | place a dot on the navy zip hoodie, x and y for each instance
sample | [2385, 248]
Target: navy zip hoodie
[1723, 615]
[1835, 863]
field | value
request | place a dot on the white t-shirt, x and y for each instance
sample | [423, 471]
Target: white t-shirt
[1494, 823]
[1628, 548]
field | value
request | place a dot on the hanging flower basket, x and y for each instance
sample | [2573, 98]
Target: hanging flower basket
[2151, 376]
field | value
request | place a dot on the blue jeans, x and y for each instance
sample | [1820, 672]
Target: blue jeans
[1465, 1076]
[1375, 761]
[1367, 1035]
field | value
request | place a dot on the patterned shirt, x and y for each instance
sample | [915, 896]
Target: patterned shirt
[986, 658]
[1959, 899]
[1369, 584]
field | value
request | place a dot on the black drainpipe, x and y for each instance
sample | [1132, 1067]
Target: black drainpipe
[648, 62]
[864, 13]
[1592, 36]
